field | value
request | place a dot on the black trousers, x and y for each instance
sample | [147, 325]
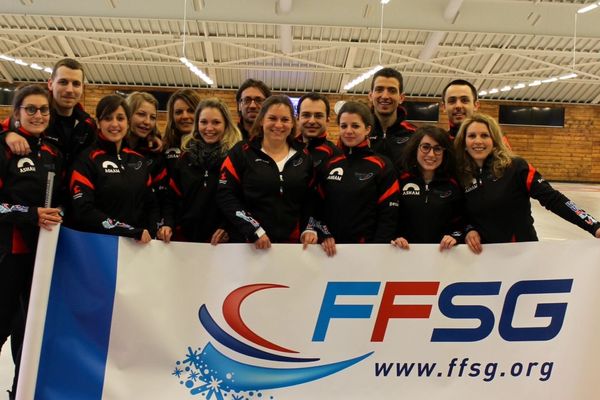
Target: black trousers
[16, 272]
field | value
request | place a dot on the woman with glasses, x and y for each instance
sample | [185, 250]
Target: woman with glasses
[430, 197]
[193, 182]
[358, 189]
[498, 186]
[29, 194]
[110, 183]
[266, 186]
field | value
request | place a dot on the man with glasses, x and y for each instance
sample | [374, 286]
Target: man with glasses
[70, 126]
[249, 98]
[313, 117]
[391, 130]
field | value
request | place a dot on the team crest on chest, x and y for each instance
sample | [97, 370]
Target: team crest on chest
[110, 167]
[411, 189]
[336, 174]
[25, 164]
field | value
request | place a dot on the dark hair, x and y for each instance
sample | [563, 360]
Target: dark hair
[460, 82]
[69, 63]
[389, 73]
[25, 91]
[314, 97]
[409, 155]
[355, 107]
[192, 99]
[260, 85]
[257, 131]
[109, 104]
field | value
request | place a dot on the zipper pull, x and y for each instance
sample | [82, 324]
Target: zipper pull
[281, 184]
[426, 193]
[120, 161]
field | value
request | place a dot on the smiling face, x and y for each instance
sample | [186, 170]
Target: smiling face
[459, 104]
[478, 142]
[211, 125]
[430, 155]
[353, 130]
[36, 123]
[66, 87]
[312, 118]
[114, 126]
[143, 120]
[278, 123]
[251, 100]
[183, 117]
[386, 95]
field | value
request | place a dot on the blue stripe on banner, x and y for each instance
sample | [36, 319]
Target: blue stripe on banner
[77, 330]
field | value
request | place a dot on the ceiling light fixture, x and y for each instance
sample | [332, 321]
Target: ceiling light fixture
[550, 79]
[18, 61]
[376, 68]
[195, 70]
[588, 8]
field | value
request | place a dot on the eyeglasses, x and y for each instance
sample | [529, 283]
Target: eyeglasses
[248, 100]
[31, 110]
[426, 148]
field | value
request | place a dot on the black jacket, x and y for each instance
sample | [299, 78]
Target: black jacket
[359, 194]
[429, 211]
[111, 191]
[500, 209]
[253, 193]
[192, 207]
[243, 131]
[23, 187]
[391, 142]
[321, 149]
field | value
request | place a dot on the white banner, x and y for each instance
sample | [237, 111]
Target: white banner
[230, 322]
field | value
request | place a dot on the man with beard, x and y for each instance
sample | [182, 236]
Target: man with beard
[313, 116]
[391, 130]
[249, 98]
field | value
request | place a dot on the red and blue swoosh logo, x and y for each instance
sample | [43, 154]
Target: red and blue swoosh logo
[211, 373]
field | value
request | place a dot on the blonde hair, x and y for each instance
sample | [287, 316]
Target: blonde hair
[135, 100]
[191, 98]
[501, 155]
[231, 134]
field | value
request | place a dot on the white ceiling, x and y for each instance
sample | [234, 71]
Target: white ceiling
[493, 43]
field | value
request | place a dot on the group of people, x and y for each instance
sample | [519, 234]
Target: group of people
[273, 177]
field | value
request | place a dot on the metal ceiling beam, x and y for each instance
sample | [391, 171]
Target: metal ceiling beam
[4, 72]
[65, 46]
[321, 42]
[350, 59]
[210, 58]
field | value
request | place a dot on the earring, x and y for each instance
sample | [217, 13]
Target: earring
[17, 124]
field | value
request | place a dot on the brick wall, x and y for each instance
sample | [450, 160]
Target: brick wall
[568, 154]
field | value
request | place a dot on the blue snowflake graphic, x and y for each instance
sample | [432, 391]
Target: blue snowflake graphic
[205, 381]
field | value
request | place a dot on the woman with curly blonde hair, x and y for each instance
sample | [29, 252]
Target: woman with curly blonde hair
[498, 186]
